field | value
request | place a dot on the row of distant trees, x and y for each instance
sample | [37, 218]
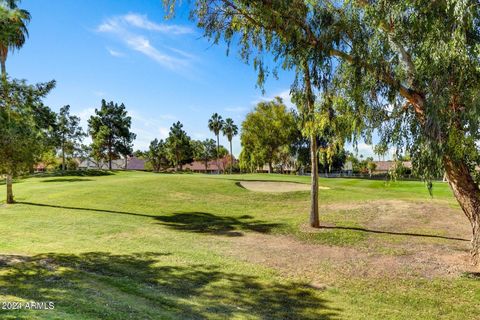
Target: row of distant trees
[178, 149]
[109, 129]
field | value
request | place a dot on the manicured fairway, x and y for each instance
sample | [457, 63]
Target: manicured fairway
[162, 246]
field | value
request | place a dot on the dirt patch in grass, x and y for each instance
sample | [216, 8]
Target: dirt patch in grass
[326, 264]
[270, 186]
[404, 240]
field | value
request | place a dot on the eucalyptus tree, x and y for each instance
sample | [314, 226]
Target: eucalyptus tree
[69, 133]
[215, 124]
[230, 130]
[408, 68]
[259, 30]
[26, 126]
[13, 29]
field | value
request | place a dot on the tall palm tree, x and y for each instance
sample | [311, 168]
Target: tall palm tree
[13, 29]
[215, 124]
[230, 130]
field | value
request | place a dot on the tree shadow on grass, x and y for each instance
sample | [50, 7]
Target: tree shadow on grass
[74, 173]
[100, 285]
[198, 222]
[67, 180]
[202, 222]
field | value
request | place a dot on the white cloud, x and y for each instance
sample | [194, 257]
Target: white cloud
[121, 28]
[143, 45]
[147, 129]
[142, 22]
[115, 53]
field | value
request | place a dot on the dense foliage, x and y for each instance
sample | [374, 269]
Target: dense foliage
[110, 131]
[26, 126]
[179, 145]
[267, 132]
[69, 134]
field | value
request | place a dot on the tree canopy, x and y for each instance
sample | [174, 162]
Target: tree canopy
[13, 25]
[180, 151]
[157, 155]
[26, 126]
[68, 132]
[110, 131]
[265, 130]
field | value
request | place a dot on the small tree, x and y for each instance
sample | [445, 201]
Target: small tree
[179, 146]
[25, 128]
[265, 131]
[205, 151]
[110, 131]
[68, 132]
[371, 166]
[157, 155]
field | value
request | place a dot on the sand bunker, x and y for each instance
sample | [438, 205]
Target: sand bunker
[271, 186]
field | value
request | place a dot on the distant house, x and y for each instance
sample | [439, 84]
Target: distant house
[133, 163]
[287, 168]
[199, 166]
[386, 166]
[212, 167]
[39, 167]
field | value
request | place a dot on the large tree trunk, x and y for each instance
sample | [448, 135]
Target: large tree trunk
[9, 182]
[126, 163]
[310, 108]
[314, 219]
[467, 193]
[270, 167]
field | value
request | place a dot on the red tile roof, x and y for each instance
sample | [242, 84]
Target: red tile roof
[387, 165]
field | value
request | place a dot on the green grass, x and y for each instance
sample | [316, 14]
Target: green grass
[153, 246]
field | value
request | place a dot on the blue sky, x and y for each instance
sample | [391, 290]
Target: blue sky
[164, 71]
